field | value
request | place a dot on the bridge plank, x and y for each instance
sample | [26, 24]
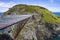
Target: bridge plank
[9, 20]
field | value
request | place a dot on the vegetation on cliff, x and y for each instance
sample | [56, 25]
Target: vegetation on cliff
[48, 16]
[46, 24]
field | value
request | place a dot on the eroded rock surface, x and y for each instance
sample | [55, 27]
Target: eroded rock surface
[44, 26]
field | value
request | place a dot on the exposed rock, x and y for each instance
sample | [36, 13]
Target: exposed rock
[5, 37]
[43, 26]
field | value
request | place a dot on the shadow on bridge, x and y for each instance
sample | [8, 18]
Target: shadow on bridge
[7, 24]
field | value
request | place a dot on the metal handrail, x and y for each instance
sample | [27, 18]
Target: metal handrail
[21, 22]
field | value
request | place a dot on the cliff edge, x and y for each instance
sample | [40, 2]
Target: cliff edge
[45, 27]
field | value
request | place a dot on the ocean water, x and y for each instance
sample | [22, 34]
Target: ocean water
[57, 13]
[57, 38]
[1, 13]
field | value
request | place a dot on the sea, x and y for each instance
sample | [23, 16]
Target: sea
[56, 13]
[1, 13]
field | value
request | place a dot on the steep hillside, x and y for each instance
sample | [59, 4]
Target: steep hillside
[36, 10]
[45, 26]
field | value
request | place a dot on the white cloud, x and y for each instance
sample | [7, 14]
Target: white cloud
[9, 4]
[5, 6]
[54, 9]
[3, 9]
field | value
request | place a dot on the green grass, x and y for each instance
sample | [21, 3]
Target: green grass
[30, 9]
[48, 16]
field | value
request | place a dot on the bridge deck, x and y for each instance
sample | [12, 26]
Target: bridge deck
[11, 20]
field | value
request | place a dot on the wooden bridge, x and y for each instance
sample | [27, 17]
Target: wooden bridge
[6, 23]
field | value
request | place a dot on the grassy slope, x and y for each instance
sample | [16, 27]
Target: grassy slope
[48, 16]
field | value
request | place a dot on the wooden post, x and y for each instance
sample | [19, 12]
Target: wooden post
[20, 26]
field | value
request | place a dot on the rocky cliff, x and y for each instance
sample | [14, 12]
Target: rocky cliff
[45, 25]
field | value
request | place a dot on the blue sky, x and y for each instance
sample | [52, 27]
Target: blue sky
[52, 5]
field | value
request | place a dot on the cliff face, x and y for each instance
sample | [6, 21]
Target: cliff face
[45, 26]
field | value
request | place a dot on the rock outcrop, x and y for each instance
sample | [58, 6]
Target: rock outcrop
[44, 26]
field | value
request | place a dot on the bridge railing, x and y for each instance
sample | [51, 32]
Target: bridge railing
[12, 25]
